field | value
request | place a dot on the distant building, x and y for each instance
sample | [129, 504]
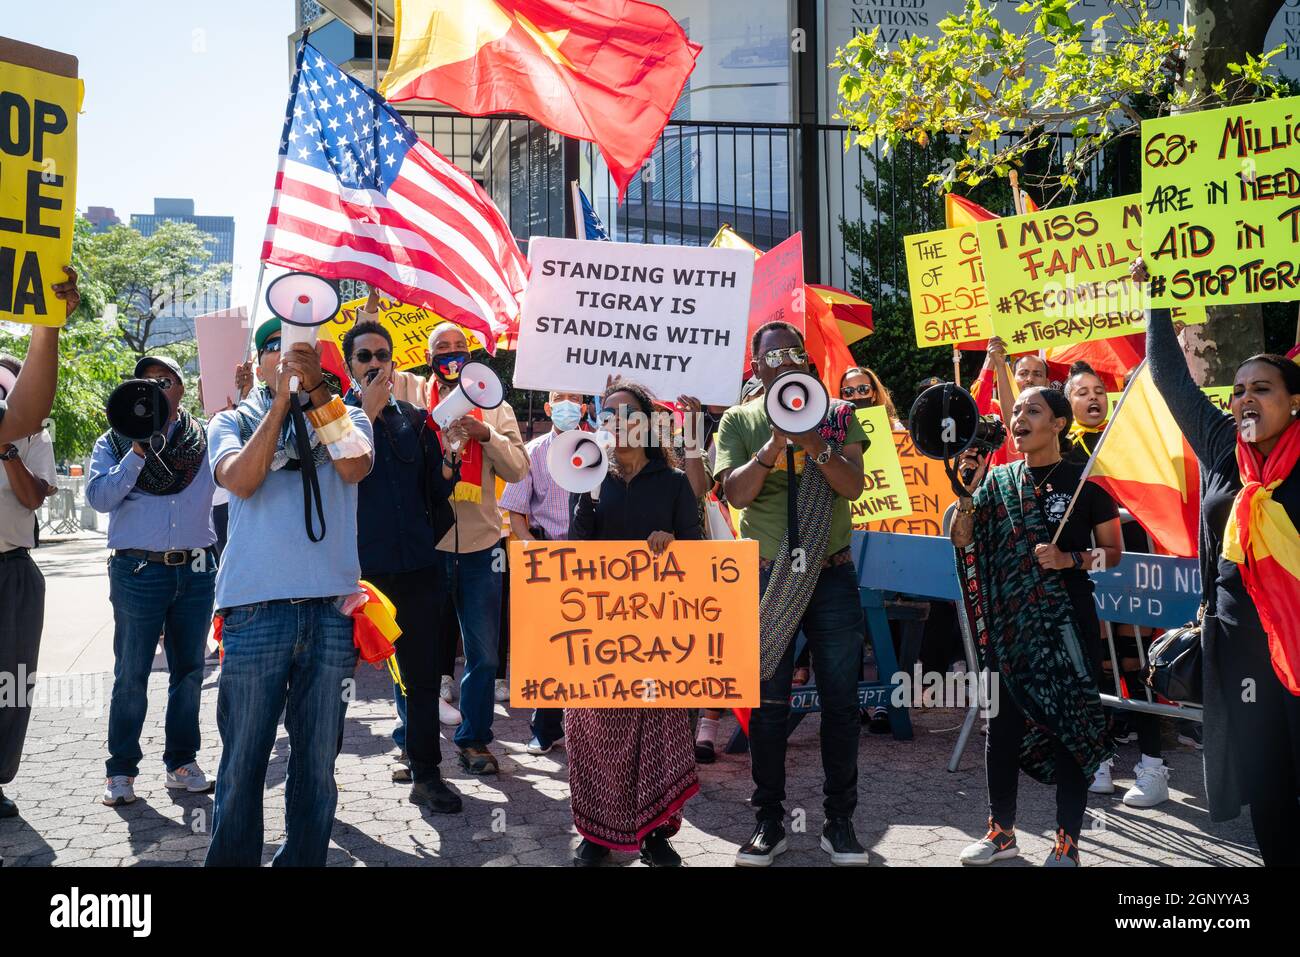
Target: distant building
[102, 218]
[177, 321]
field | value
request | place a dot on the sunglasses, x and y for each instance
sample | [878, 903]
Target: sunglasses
[862, 390]
[777, 357]
[365, 355]
[165, 382]
[272, 345]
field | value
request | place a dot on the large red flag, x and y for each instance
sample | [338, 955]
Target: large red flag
[607, 71]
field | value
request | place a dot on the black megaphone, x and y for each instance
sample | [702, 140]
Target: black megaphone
[945, 422]
[138, 409]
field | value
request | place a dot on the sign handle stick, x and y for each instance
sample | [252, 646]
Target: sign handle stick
[956, 364]
[1016, 199]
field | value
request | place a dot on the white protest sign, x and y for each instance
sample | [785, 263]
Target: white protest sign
[670, 317]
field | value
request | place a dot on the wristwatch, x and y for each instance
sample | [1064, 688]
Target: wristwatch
[823, 456]
[9, 454]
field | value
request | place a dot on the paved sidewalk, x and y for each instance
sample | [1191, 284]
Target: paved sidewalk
[911, 811]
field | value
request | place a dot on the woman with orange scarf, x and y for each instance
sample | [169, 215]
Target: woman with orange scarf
[1250, 570]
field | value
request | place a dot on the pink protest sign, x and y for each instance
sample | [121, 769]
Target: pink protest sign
[778, 289]
[223, 344]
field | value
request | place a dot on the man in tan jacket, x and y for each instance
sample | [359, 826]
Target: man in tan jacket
[482, 445]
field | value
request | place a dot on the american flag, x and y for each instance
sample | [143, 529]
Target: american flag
[359, 196]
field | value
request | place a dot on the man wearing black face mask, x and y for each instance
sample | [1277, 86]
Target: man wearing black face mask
[402, 510]
[480, 446]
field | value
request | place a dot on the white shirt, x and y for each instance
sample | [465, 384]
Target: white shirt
[17, 522]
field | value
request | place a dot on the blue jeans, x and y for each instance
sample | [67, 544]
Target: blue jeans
[399, 732]
[152, 599]
[471, 583]
[292, 657]
[834, 627]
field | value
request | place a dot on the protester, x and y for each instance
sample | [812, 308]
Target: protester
[1090, 403]
[287, 639]
[27, 478]
[817, 591]
[863, 389]
[631, 770]
[402, 511]
[220, 497]
[481, 445]
[1250, 511]
[538, 509]
[1038, 632]
[24, 409]
[161, 578]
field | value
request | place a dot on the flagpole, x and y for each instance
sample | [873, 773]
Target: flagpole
[374, 44]
[1087, 469]
[288, 121]
[579, 232]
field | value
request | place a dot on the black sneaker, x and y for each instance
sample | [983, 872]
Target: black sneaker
[657, 852]
[589, 854]
[838, 838]
[436, 796]
[766, 843]
[704, 752]
[1189, 734]
[7, 807]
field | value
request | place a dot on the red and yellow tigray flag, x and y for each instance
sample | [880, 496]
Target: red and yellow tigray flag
[1146, 465]
[960, 211]
[606, 71]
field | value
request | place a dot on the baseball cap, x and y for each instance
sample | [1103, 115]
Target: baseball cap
[148, 361]
[265, 331]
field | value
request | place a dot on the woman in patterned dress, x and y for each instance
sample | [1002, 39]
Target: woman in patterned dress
[632, 769]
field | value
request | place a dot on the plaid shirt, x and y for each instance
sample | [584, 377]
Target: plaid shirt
[536, 495]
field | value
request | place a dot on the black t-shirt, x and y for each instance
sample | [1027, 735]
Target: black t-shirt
[1056, 485]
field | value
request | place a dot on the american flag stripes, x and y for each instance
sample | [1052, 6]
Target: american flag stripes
[359, 196]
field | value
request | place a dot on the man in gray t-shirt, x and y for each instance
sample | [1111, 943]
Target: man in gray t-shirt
[283, 600]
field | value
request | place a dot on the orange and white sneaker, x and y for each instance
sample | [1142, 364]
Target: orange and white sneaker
[998, 845]
[1065, 853]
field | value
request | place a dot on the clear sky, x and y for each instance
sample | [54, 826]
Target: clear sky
[182, 99]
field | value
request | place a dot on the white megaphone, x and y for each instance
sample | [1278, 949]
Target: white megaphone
[796, 403]
[476, 388]
[303, 303]
[7, 382]
[578, 461]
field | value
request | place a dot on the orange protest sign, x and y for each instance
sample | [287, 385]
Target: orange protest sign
[928, 488]
[609, 625]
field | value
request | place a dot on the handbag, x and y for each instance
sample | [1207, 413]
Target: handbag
[1174, 663]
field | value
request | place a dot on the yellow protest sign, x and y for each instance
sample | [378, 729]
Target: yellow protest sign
[1221, 200]
[1059, 276]
[885, 494]
[945, 277]
[39, 99]
[929, 492]
[408, 325]
[609, 625]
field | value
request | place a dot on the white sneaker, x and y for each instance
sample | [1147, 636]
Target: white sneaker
[189, 777]
[1101, 781]
[502, 693]
[118, 790]
[447, 690]
[447, 714]
[1150, 788]
[535, 747]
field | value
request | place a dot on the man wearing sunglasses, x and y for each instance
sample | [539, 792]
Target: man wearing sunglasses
[812, 585]
[162, 575]
[481, 446]
[402, 511]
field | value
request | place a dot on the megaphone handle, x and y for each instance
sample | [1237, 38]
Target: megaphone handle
[293, 384]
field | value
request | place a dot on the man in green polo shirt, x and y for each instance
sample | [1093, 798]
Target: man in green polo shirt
[813, 586]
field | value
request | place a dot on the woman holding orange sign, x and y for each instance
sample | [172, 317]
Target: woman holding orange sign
[631, 770]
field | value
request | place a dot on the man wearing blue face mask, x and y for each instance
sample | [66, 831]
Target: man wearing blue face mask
[539, 509]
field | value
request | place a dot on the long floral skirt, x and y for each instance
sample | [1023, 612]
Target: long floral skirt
[630, 771]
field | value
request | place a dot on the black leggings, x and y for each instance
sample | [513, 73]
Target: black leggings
[1002, 754]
